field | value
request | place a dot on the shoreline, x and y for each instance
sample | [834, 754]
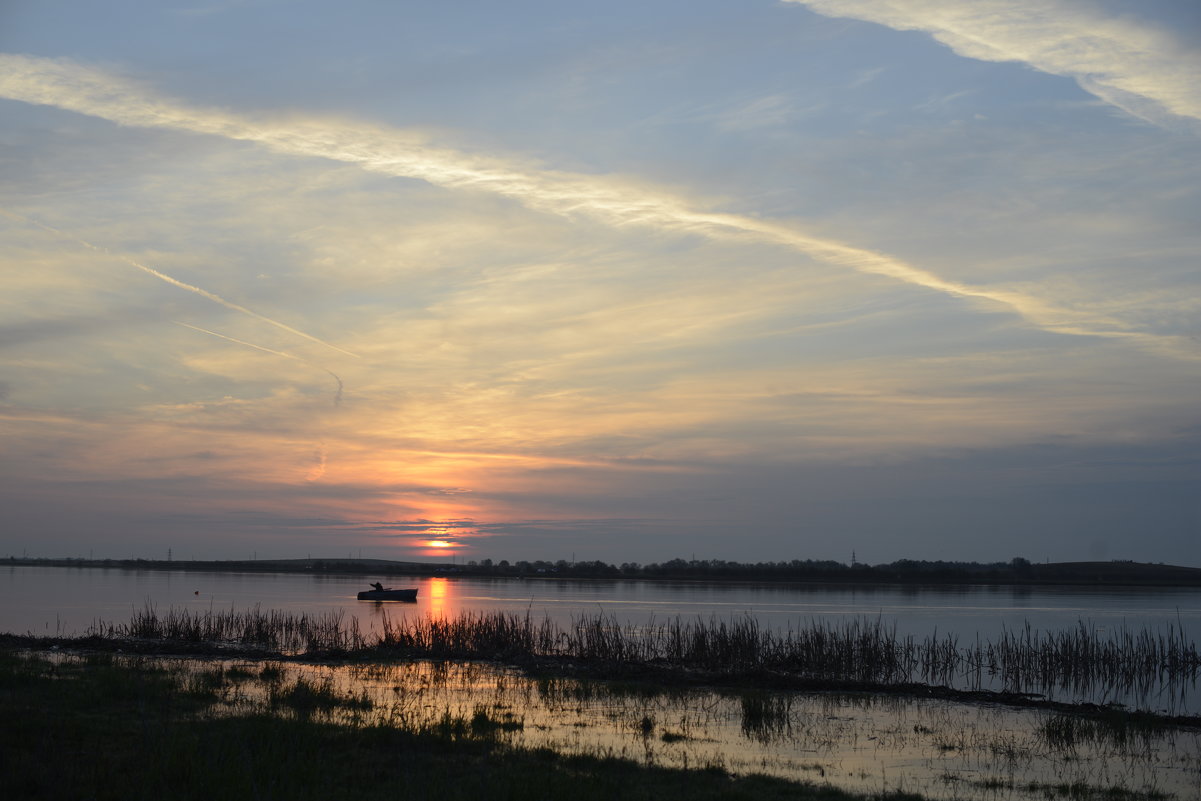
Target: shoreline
[1057, 574]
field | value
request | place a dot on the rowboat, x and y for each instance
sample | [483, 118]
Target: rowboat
[388, 594]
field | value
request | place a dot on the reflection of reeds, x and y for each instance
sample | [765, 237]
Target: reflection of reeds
[766, 716]
[1080, 659]
[1121, 731]
[857, 650]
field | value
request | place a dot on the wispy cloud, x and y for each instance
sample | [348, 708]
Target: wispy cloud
[204, 293]
[1141, 69]
[281, 353]
[613, 201]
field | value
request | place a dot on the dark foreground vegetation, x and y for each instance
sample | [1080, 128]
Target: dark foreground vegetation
[858, 654]
[904, 571]
[136, 730]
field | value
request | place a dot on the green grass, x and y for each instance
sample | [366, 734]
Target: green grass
[130, 730]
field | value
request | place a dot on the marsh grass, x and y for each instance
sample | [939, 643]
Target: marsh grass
[858, 650]
[1070, 791]
[283, 631]
[866, 651]
[484, 724]
[124, 729]
[307, 696]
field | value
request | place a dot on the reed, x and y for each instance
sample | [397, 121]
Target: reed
[858, 650]
[274, 629]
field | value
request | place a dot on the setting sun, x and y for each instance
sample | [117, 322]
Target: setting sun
[441, 544]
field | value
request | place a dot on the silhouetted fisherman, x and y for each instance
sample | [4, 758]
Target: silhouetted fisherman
[377, 587]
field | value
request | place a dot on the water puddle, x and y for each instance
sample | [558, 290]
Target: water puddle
[938, 748]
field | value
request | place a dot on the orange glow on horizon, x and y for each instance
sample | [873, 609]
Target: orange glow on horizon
[441, 544]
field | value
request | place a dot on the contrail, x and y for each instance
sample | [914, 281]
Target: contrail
[204, 293]
[65, 85]
[286, 355]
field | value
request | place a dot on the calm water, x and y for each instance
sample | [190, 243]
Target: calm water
[48, 600]
[864, 743]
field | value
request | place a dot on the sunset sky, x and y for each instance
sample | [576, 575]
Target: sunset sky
[736, 279]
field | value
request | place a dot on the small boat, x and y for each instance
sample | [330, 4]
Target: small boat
[388, 594]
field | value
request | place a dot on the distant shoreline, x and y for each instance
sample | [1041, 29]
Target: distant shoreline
[1017, 573]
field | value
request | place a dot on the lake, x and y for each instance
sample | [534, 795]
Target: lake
[63, 600]
[59, 600]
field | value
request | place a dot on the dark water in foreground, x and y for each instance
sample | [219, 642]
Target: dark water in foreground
[53, 600]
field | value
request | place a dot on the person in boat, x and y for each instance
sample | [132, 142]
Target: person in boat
[377, 587]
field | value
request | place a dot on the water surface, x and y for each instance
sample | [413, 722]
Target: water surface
[67, 600]
[866, 743]
[54, 600]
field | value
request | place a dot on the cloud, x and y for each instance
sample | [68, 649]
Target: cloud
[612, 201]
[204, 293]
[1144, 70]
[318, 470]
[284, 354]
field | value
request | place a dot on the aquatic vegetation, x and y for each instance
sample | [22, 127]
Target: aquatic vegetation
[1079, 662]
[272, 628]
[66, 734]
[1071, 791]
[868, 743]
[483, 724]
[305, 696]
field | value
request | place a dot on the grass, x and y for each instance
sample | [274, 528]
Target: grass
[1070, 791]
[306, 697]
[857, 651]
[275, 629]
[124, 729]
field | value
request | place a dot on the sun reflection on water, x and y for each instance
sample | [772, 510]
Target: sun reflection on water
[440, 598]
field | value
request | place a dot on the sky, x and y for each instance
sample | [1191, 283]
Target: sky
[753, 280]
